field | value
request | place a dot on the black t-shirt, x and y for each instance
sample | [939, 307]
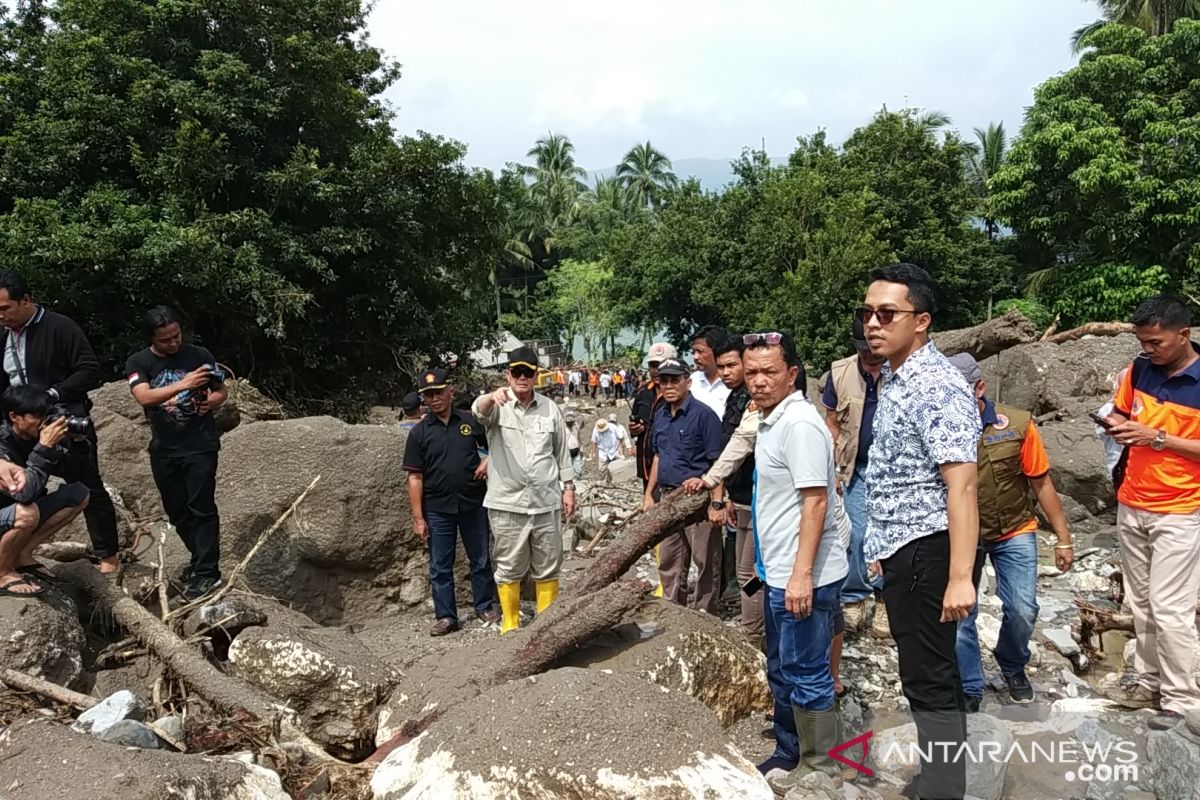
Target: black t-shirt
[447, 456]
[177, 426]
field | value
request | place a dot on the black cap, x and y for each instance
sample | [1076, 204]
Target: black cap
[411, 402]
[672, 366]
[432, 380]
[523, 356]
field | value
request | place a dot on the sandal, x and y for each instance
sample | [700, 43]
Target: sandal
[38, 571]
[7, 588]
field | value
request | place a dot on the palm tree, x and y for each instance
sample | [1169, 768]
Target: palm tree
[646, 172]
[611, 193]
[984, 159]
[1155, 17]
[556, 182]
[933, 121]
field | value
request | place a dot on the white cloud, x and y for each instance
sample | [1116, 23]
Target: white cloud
[707, 77]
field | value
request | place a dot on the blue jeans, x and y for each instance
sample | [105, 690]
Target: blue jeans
[444, 530]
[858, 585]
[1015, 561]
[577, 463]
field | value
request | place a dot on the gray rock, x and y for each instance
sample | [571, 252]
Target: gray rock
[814, 786]
[853, 719]
[171, 725]
[1062, 641]
[42, 637]
[985, 778]
[231, 614]
[122, 705]
[129, 733]
[1176, 765]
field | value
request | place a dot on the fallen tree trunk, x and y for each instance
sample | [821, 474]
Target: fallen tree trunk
[988, 338]
[675, 511]
[62, 551]
[1091, 329]
[224, 692]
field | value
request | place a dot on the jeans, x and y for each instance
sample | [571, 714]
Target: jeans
[858, 585]
[801, 659]
[444, 530]
[577, 463]
[914, 582]
[1016, 565]
[188, 488]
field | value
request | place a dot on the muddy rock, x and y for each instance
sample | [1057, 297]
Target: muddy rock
[333, 683]
[562, 735]
[1176, 763]
[118, 707]
[43, 760]
[130, 733]
[348, 552]
[42, 636]
[1077, 464]
[685, 650]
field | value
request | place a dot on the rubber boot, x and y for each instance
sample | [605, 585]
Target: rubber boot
[547, 593]
[510, 606]
[827, 733]
[818, 732]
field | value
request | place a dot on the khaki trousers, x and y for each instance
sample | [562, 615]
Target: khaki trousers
[525, 544]
[753, 622]
[701, 543]
[1160, 556]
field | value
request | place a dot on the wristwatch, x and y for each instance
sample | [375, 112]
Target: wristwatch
[717, 505]
[1160, 441]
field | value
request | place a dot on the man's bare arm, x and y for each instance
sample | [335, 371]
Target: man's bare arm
[963, 510]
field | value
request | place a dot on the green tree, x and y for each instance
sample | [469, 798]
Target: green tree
[984, 160]
[1104, 170]
[578, 293]
[1155, 17]
[235, 161]
[646, 173]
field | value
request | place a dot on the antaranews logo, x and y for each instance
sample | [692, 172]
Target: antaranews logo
[863, 741]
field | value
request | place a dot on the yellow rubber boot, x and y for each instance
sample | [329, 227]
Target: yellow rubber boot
[510, 606]
[658, 590]
[547, 593]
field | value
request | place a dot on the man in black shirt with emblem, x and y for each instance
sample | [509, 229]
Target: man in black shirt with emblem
[446, 460]
[179, 386]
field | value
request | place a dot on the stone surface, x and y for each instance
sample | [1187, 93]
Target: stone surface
[42, 636]
[334, 683]
[171, 725]
[1176, 765]
[1062, 641]
[130, 733]
[116, 707]
[560, 735]
[891, 750]
[43, 760]
[814, 786]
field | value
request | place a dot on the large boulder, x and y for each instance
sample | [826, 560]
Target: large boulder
[349, 550]
[1175, 755]
[43, 759]
[896, 753]
[333, 683]
[1077, 464]
[571, 734]
[42, 636]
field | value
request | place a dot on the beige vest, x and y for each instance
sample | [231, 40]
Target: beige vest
[851, 391]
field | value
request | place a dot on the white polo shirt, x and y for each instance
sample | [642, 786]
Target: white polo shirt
[794, 451]
[712, 394]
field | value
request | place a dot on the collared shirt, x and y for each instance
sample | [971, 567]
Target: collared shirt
[1163, 482]
[447, 455]
[14, 350]
[866, 427]
[794, 451]
[927, 417]
[608, 441]
[528, 455]
[712, 393]
[686, 442]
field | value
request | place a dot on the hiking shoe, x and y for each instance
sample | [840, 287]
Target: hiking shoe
[1019, 688]
[443, 626]
[1136, 697]
[879, 624]
[1165, 720]
[201, 587]
[184, 575]
[973, 703]
[489, 617]
[855, 614]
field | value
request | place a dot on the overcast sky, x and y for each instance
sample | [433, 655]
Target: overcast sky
[702, 78]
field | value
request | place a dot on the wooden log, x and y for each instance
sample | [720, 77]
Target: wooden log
[988, 338]
[1092, 329]
[61, 551]
[59, 694]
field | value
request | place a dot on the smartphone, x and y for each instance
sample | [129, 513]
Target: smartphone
[1101, 421]
[752, 586]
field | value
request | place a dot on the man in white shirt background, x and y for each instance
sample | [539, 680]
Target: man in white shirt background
[707, 386]
[609, 442]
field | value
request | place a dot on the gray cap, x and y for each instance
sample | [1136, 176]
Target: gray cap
[968, 366]
[612, 417]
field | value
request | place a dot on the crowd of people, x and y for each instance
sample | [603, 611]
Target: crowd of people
[610, 383]
[896, 485]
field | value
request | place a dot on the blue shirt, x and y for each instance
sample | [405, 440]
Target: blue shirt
[687, 443]
[866, 427]
[927, 417]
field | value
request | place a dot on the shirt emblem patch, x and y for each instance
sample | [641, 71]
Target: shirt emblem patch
[134, 378]
[464, 429]
[1138, 406]
[1001, 422]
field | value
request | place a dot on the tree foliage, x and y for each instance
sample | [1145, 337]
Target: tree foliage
[236, 162]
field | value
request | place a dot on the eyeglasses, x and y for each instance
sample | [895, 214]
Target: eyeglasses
[771, 338]
[884, 315]
[523, 372]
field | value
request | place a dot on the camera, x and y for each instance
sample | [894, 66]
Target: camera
[216, 375]
[76, 426]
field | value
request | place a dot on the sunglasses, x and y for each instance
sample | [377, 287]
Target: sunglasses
[771, 338]
[884, 315]
[523, 372]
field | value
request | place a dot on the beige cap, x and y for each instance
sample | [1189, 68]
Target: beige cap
[661, 351]
[602, 424]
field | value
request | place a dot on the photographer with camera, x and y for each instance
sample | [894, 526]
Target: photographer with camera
[33, 436]
[179, 386]
[48, 350]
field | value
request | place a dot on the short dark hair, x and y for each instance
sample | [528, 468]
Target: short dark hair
[14, 283]
[157, 317]
[25, 400]
[1164, 310]
[713, 336]
[922, 290]
[786, 343]
[411, 402]
[731, 344]
[802, 379]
